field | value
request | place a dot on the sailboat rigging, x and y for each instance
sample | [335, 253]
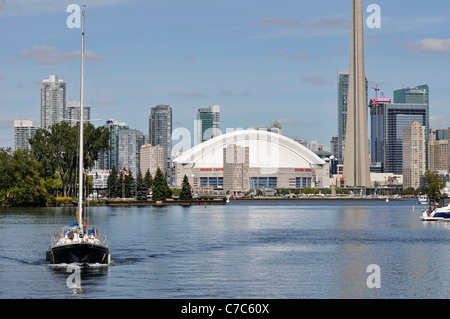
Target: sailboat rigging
[78, 242]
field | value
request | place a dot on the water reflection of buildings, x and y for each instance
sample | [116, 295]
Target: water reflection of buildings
[355, 254]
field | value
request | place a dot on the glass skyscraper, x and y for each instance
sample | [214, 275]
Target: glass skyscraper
[387, 123]
[160, 133]
[208, 123]
[129, 146]
[413, 95]
[109, 158]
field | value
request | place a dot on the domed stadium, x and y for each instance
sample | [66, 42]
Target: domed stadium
[250, 159]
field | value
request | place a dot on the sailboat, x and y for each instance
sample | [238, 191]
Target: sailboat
[78, 242]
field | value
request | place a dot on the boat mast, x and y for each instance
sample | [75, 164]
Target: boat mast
[81, 167]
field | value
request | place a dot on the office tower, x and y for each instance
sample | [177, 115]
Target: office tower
[413, 95]
[129, 146]
[414, 162]
[151, 158]
[387, 122]
[73, 112]
[236, 169]
[53, 101]
[342, 86]
[23, 131]
[438, 155]
[334, 146]
[437, 134]
[356, 151]
[208, 123]
[160, 133]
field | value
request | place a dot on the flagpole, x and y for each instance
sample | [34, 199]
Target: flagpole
[123, 184]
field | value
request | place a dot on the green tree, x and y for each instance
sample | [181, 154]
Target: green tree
[141, 187]
[148, 179]
[186, 192]
[161, 190]
[56, 148]
[113, 184]
[21, 182]
[433, 186]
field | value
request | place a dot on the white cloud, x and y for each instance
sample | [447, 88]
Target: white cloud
[42, 54]
[430, 45]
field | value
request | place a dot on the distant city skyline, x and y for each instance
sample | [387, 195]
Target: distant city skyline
[269, 60]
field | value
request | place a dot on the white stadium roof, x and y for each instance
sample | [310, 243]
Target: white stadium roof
[266, 150]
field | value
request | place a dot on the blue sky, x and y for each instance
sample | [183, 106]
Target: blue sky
[260, 60]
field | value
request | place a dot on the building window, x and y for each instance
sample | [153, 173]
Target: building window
[263, 182]
[215, 182]
[302, 182]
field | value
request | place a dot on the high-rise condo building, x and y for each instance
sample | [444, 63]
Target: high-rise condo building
[438, 155]
[236, 169]
[208, 123]
[73, 112]
[151, 158]
[109, 158]
[387, 122]
[414, 162]
[53, 101]
[23, 131]
[129, 146]
[160, 133]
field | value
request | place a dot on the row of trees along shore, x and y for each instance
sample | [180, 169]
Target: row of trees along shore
[49, 171]
[123, 185]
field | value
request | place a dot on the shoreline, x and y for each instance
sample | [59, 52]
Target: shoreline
[216, 201]
[320, 199]
[196, 202]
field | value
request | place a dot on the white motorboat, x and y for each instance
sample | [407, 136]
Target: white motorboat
[437, 214]
[423, 199]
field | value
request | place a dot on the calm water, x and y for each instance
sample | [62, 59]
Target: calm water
[242, 250]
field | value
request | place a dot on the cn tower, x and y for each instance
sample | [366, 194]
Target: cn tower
[356, 153]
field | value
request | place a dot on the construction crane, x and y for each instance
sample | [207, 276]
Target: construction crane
[376, 90]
